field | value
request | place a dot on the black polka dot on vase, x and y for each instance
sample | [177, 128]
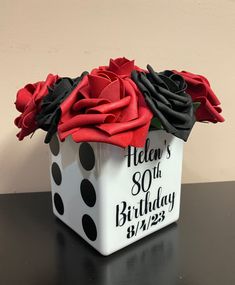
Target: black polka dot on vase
[88, 192]
[58, 204]
[87, 156]
[54, 145]
[56, 173]
[89, 227]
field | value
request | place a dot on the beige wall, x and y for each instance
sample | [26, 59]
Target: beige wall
[69, 36]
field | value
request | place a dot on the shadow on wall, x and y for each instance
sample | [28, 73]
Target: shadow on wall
[25, 164]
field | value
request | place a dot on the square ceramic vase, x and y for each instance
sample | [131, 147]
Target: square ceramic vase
[112, 196]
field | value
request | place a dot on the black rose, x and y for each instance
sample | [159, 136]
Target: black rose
[164, 92]
[49, 115]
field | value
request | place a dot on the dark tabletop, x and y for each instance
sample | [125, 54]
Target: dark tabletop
[38, 249]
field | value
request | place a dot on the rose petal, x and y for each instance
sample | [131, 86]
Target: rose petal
[28, 121]
[97, 84]
[115, 128]
[131, 111]
[42, 90]
[199, 86]
[196, 77]
[88, 103]
[85, 119]
[66, 107]
[24, 95]
[110, 107]
[111, 76]
[207, 112]
[112, 91]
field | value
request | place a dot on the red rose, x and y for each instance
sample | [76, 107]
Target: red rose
[106, 107]
[121, 66]
[200, 91]
[28, 103]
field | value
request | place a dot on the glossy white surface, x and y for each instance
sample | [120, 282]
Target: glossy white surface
[137, 190]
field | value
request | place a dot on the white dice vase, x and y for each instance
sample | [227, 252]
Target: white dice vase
[112, 196]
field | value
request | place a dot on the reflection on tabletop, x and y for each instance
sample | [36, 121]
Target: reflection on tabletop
[150, 260]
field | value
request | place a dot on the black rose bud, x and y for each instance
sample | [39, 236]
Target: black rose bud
[165, 95]
[50, 113]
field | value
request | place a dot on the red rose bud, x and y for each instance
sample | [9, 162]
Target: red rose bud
[121, 66]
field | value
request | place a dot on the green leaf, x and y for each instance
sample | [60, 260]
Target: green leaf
[196, 106]
[156, 124]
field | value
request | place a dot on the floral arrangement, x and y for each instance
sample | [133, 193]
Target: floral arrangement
[116, 104]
